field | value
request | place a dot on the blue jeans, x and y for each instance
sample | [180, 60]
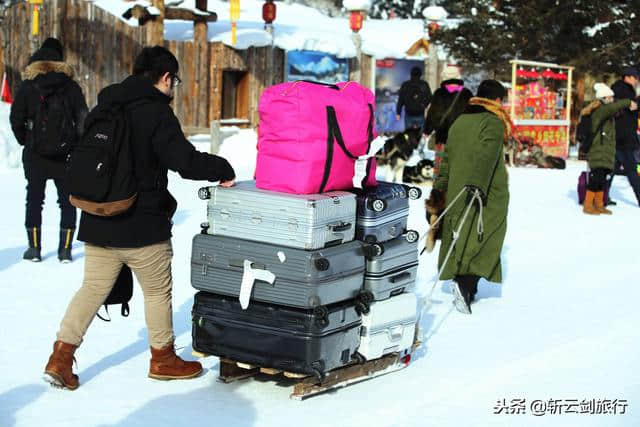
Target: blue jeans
[413, 121]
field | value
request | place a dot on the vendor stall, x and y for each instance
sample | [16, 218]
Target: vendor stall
[540, 104]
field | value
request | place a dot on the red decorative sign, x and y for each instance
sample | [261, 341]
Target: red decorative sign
[552, 139]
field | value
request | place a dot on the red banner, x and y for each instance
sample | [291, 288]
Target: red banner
[552, 139]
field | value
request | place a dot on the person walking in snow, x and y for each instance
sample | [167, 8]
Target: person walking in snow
[414, 97]
[473, 164]
[448, 102]
[47, 118]
[141, 236]
[626, 129]
[602, 154]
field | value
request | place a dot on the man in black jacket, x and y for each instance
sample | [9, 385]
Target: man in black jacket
[45, 78]
[626, 129]
[414, 97]
[139, 237]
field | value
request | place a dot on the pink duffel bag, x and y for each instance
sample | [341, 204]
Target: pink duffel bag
[311, 134]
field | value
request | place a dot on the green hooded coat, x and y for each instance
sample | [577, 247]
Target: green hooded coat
[474, 156]
[602, 153]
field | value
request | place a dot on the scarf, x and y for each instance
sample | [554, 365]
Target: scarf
[495, 108]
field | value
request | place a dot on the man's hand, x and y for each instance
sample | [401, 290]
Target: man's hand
[398, 117]
[227, 184]
[633, 106]
[471, 190]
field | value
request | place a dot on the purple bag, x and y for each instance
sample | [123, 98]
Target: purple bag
[582, 188]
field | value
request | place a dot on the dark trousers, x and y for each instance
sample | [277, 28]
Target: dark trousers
[35, 200]
[468, 282]
[597, 179]
[625, 157]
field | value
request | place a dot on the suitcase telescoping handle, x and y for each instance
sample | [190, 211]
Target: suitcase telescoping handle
[399, 277]
[340, 226]
[239, 263]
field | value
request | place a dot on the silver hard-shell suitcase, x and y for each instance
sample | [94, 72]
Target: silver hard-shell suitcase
[309, 221]
[391, 268]
[304, 279]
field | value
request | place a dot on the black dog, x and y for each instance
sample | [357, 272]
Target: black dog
[398, 149]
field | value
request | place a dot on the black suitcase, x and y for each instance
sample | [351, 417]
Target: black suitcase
[309, 342]
[382, 212]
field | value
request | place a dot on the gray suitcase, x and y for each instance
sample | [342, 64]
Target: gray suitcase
[309, 221]
[304, 279]
[383, 211]
[391, 268]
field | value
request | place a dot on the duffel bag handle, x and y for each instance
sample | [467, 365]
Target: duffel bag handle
[294, 84]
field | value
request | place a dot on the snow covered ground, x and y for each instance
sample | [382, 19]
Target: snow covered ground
[562, 326]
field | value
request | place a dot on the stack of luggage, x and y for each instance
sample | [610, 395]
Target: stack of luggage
[294, 273]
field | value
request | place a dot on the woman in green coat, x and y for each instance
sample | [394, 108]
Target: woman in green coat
[602, 154]
[473, 165]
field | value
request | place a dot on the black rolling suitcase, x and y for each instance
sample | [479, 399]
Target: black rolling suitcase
[382, 212]
[309, 342]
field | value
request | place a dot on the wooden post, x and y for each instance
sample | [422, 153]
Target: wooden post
[215, 137]
[155, 27]
[513, 89]
[200, 27]
[569, 82]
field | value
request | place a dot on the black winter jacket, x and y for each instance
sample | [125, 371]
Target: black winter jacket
[41, 78]
[158, 145]
[415, 87]
[441, 113]
[626, 120]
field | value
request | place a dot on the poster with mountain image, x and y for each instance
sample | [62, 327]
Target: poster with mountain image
[390, 74]
[316, 66]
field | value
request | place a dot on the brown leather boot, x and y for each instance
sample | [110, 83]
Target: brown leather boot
[59, 370]
[166, 365]
[599, 203]
[588, 205]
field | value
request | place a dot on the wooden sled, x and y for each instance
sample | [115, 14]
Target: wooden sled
[305, 386]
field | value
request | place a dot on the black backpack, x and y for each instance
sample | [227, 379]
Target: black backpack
[53, 129]
[416, 97]
[584, 135]
[121, 293]
[100, 172]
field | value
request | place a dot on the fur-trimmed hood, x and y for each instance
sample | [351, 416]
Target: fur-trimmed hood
[38, 68]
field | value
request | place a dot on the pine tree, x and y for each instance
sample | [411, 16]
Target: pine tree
[592, 35]
[385, 9]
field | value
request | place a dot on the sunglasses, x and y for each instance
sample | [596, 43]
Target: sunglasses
[175, 81]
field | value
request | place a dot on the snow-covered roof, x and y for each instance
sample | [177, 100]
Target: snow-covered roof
[296, 27]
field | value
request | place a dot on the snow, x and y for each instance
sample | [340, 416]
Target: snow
[296, 27]
[10, 151]
[563, 325]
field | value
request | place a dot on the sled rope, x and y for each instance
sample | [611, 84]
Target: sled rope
[456, 235]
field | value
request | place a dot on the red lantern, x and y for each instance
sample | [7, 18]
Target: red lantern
[269, 12]
[548, 74]
[521, 73]
[356, 20]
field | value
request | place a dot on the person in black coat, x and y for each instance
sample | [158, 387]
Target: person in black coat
[414, 97]
[46, 75]
[626, 129]
[141, 236]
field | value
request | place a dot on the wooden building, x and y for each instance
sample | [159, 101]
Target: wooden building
[219, 82]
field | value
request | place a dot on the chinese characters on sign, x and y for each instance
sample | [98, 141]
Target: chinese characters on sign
[540, 408]
[552, 139]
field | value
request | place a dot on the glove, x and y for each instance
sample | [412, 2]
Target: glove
[471, 189]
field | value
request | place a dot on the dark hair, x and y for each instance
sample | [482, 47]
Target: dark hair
[154, 62]
[491, 89]
[416, 72]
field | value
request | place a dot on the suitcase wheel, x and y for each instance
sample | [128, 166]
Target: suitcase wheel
[204, 193]
[378, 249]
[322, 264]
[366, 297]
[204, 227]
[412, 236]
[362, 308]
[377, 205]
[370, 239]
[322, 316]
[414, 193]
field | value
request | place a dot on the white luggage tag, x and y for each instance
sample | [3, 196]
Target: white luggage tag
[249, 277]
[361, 163]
